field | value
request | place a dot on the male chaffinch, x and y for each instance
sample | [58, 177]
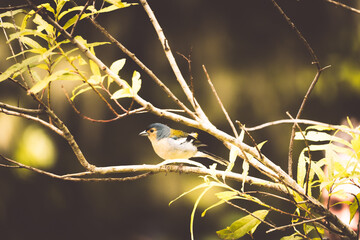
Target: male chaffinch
[175, 144]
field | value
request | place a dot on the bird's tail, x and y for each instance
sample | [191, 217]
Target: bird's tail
[205, 154]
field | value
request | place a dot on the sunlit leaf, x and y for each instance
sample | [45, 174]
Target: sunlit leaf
[354, 206]
[226, 195]
[70, 10]
[59, 75]
[7, 25]
[243, 226]
[119, 3]
[47, 6]
[194, 209]
[11, 13]
[20, 67]
[117, 65]
[122, 93]
[82, 90]
[136, 82]
[43, 25]
[94, 68]
[301, 171]
[32, 43]
[245, 173]
[60, 5]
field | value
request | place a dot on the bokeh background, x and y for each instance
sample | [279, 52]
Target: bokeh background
[260, 69]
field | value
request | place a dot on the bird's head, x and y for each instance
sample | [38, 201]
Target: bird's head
[156, 131]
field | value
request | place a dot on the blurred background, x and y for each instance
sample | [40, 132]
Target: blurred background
[260, 69]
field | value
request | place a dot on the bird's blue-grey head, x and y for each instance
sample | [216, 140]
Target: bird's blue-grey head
[162, 131]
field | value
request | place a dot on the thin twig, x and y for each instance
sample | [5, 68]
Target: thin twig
[167, 50]
[241, 126]
[191, 78]
[307, 175]
[8, 8]
[301, 121]
[220, 103]
[79, 16]
[343, 6]
[250, 213]
[291, 144]
[299, 34]
[36, 119]
[22, 110]
[295, 224]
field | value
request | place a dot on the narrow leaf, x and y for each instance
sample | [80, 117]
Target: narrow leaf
[242, 226]
[136, 83]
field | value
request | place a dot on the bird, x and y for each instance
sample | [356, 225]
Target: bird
[170, 143]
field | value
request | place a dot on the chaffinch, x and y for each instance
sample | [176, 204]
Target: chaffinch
[175, 144]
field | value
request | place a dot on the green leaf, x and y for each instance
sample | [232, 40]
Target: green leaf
[59, 75]
[32, 43]
[226, 195]
[47, 6]
[8, 25]
[60, 5]
[77, 92]
[234, 152]
[73, 20]
[43, 25]
[119, 3]
[301, 171]
[294, 236]
[136, 83]
[127, 91]
[11, 13]
[122, 93]
[242, 226]
[117, 65]
[245, 173]
[320, 137]
[20, 67]
[94, 68]
[194, 209]
[76, 8]
[354, 207]
[25, 32]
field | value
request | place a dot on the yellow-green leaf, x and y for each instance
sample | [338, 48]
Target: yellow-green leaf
[122, 93]
[94, 68]
[136, 82]
[20, 67]
[59, 75]
[242, 226]
[117, 65]
[226, 195]
[119, 3]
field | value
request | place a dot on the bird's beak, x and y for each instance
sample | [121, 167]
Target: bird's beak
[144, 133]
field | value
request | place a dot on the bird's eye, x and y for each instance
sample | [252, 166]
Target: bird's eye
[151, 130]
